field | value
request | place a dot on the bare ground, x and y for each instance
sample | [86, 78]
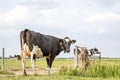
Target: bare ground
[40, 71]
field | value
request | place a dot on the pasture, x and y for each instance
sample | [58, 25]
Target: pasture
[62, 69]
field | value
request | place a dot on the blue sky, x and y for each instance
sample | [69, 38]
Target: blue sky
[93, 23]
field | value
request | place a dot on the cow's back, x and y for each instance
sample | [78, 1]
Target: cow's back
[47, 44]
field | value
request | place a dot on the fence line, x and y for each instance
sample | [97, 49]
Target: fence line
[3, 55]
[76, 57]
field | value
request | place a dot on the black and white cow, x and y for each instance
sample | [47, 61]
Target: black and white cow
[90, 52]
[37, 45]
[17, 57]
[94, 51]
[79, 49]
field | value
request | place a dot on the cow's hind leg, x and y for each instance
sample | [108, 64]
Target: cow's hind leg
[33, 59]
[24, 63]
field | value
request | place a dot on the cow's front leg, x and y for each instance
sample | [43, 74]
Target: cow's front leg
[24, 63]
[33, 59]
[49, 63]
[49, 68]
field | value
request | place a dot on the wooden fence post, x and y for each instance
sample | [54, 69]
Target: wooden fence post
[76, 57]
[3, 53]
[100, 56]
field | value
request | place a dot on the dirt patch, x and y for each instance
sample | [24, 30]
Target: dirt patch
[40, 71]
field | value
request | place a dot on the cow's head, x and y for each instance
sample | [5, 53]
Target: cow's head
[96, 50]
[65, 44]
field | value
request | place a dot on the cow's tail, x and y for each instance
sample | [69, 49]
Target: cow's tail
[23, 37]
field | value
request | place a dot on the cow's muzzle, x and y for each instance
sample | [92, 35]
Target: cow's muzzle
[68, 50]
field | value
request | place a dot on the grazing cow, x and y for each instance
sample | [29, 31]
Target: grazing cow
[18, 57]
[37, 45]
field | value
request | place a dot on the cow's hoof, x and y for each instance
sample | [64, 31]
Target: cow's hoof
[24, 74]
[48, 74]
[35, 74]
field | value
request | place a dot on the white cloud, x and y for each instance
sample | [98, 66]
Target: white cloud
[77, 19]
[8, 32]
[1, 18]
[14, 16]
[101, 30]
[105, 17]
[104, 22]
[82, 18]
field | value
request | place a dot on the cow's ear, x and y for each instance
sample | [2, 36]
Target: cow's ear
[73, 41]
[61, 43]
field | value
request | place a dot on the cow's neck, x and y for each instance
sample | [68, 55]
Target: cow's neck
[61, 48]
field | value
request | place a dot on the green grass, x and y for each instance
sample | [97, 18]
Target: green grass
[6, 73]
[52, 77]
[107, 69]
[41, 63]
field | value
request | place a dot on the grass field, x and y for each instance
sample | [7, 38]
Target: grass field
[107, 69]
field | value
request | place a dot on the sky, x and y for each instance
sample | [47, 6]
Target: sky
[92, 23]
